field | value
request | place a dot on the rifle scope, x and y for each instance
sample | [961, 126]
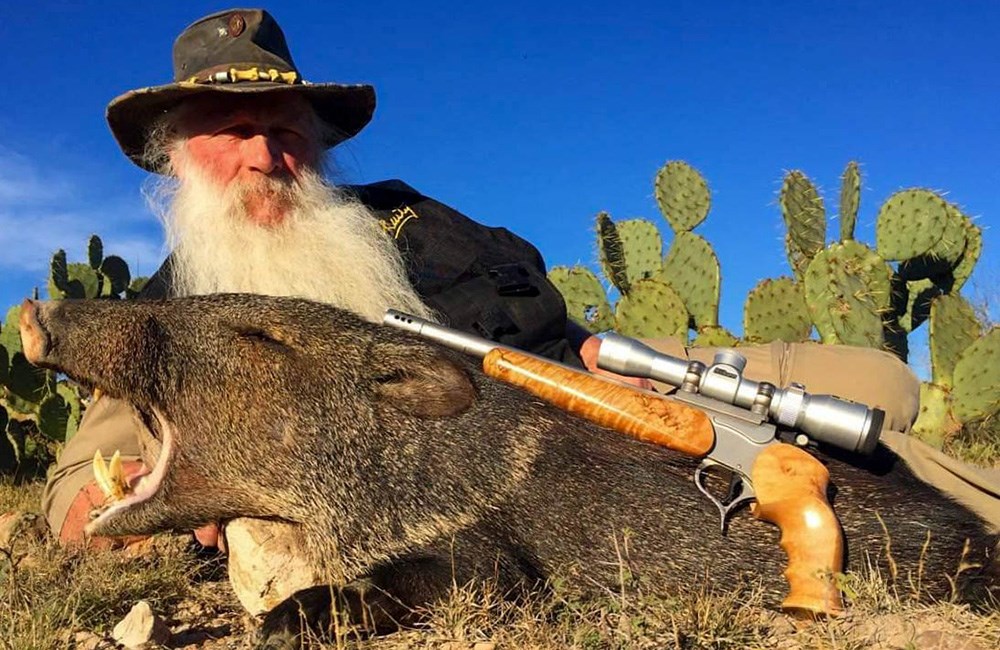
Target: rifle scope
[828, 418]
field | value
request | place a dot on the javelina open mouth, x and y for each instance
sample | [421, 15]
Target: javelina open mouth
[119, 494]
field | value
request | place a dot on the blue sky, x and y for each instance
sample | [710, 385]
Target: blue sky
[536, 115]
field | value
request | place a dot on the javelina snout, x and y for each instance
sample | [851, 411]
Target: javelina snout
[406, 467]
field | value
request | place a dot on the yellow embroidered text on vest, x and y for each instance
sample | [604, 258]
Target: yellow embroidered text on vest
[400, 216]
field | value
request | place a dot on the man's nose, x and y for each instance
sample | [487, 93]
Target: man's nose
[263, 153]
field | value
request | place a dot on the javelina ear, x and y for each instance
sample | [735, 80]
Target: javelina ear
[421, 381]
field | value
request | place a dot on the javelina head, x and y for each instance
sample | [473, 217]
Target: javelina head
[258, 402]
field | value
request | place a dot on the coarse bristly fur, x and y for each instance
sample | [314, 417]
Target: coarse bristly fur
[409, 471]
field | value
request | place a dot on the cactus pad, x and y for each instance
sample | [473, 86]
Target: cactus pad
[586, 302]
[776, 310]
[803, 212]
[10, 333]
[714, 336]
[611, 253]
[682, 195]
[651, 310]
[848, 289]
[973, 249]
[797, 259]
[976, 392]
[95, 252]
[954, 327]
[910, 223]
[850, 198]
[642, 248]
[692, 269]
[918, 295]
[935, 423]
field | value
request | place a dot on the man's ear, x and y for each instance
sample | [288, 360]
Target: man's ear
[420, 380]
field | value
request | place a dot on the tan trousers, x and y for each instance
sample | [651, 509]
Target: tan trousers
[266, 564]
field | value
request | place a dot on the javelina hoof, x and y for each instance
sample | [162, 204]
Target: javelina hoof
[285, 626]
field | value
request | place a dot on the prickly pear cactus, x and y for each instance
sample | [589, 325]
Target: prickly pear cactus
[775, 310]
[954, 327]
[715, 336]
[611, 252]
[848, 289]
[910, 223]
[976, 390]
[642, 248]
[970, 255]
[683, 195]
[850, 199]
[804, 214]
[692, 269]
[651, 310]
[586, 302]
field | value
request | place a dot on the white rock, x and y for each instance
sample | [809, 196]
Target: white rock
[141, 628]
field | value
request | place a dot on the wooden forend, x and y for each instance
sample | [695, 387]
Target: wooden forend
[636, 412]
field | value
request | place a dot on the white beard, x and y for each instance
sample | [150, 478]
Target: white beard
[329, 247]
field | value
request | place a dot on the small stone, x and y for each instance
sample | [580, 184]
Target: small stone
[141, 628]
[485, 645]
[937, 640]
[87, 641]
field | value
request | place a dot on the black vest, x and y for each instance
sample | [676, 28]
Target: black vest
[482, 280]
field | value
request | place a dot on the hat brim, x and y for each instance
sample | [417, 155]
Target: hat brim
[345, 108]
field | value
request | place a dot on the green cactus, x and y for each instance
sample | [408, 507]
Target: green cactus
[641, 247]
[611, 252]
[970, 255]
[95, 252]
[115, 275]
[586, 302]
[804, 214]
[850, 199]
[714, 336]
[652, 309]
[935, 423]
[914, 307]
[910, 223]
[954, 327]
[848, 290]
[692, 269]
[976, 391]
[775, 310]
[797, 259]
[682, 195]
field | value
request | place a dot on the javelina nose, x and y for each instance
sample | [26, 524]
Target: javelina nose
[34, 338]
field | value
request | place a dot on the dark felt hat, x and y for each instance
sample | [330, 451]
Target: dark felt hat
[235, 51]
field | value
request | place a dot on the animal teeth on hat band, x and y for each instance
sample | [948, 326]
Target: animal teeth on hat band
[233, 75]
[111, 477]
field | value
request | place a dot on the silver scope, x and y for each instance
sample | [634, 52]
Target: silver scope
[828, 418]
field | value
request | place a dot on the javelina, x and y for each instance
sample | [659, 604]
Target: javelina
[408, 469]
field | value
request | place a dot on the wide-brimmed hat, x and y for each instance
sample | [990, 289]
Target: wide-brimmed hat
[235, 51]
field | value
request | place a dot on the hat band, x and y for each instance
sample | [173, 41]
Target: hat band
[236, 75]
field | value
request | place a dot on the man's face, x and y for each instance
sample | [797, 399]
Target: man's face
[262, 143]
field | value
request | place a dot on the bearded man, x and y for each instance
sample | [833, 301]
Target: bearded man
[240, 142]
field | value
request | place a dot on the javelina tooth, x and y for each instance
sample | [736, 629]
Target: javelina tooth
[111, 477]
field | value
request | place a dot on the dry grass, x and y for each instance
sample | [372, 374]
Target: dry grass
[48, 595]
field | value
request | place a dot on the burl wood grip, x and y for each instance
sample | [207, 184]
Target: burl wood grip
[640, 414]
[791, 492]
